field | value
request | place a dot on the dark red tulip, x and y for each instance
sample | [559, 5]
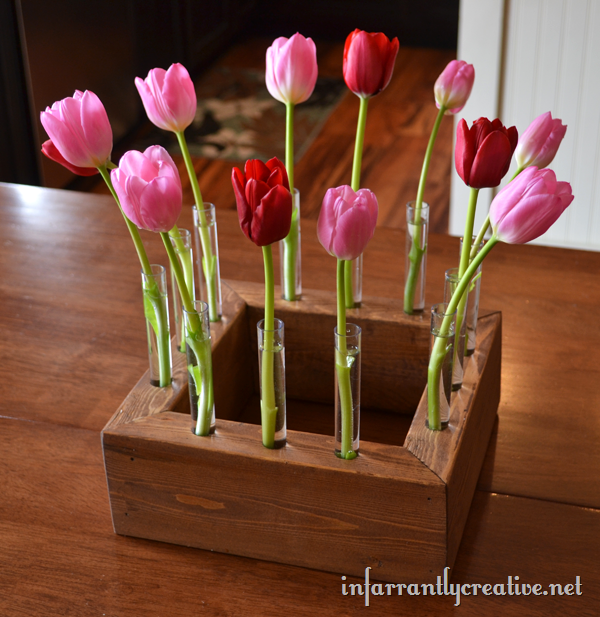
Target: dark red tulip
[368, 62]
[51, 151]
[264, 201]
[483, 152]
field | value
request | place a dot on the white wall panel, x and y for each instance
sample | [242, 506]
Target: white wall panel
[551, 62]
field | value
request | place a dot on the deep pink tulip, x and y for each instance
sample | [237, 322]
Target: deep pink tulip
[539, 143]
[79, 129]
[149, 188]
[51, 151]
[369, 59]
[526, 207]
[347, 221]
[264, 201]
[169, 97]
[483, 152]
[453, 87]
[291, 69]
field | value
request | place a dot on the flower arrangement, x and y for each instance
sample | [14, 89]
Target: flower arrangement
[147, 188]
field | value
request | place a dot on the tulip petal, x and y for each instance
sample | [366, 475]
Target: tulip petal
[179, 96]
[491, 161]
[464, 152]
[96, 128]
[160, 204]
[272, 218]
[243, 207]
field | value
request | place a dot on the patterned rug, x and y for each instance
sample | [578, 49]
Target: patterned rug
[238, 119]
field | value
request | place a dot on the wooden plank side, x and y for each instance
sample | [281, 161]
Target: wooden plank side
[395, 347]
[456, 454]
[298, 505]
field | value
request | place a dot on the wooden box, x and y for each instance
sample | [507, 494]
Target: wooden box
[400, 507]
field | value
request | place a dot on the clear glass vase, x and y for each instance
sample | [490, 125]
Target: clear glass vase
[199, 365]
[207, 258]
[473, 303]
[353, 282]
[347, 392]
[290, 256]
[182, 243]
[451, 281]
[271, 367]
[156, 311]
[441, 360]
[415, 263]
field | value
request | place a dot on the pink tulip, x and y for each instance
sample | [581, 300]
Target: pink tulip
[347, 221]
[79, 129]
[291, 69]
[51, 151]
[539, 143]
[454, 85]
[169, 98]
[526, 207]
[149, 188]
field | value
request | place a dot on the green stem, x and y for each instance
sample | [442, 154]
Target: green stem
[439, 351]
[290, 242]
[185, 258]
[290, 247]
[355, 184]
[268, 405]
[152, 293]
[208, 259]
[198, 342]
[465, 258]
[343, 367]
[289, 143]
[415, 255]
[133, 230]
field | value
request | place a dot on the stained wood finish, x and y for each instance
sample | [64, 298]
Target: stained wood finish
[314, 508]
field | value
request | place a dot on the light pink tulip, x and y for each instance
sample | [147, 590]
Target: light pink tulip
[539, 143]
[453, 87]
[291, 69]
[529, 205]
[347, 221]
[149, 188]
[79, 129]
[169, 97]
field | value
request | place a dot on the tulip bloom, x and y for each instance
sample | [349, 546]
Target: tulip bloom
[483, 152]
[291, 69]
[149, 188]
[79, 129]
[453, 87]
[264, 201]
[539, 143]
[347, 221]
[169, 97]
[368, 62]
[526, 207]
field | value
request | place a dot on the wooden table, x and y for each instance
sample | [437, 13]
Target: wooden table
[73, 344]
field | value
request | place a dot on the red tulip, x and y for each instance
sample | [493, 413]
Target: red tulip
[368, 62]
[264, 201]
[52, 152]
[483, 152]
